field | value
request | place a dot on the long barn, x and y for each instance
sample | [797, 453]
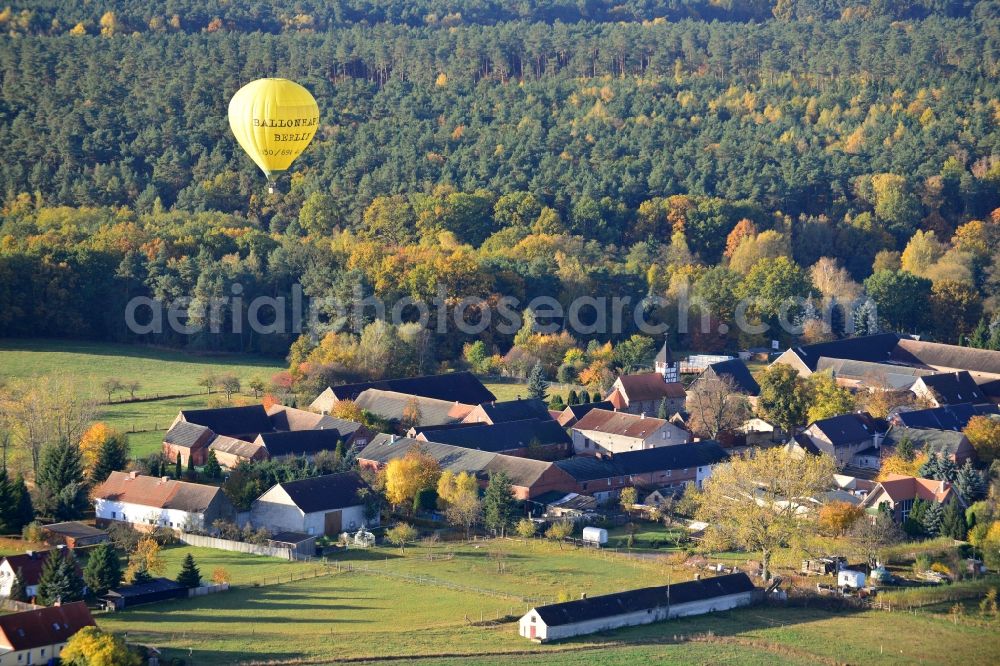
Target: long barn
[634, 607]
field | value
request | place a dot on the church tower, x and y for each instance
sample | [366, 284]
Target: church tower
[667, 366]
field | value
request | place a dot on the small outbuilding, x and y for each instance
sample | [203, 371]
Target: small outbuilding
[635, 607]
[74, 535]
[850, 578]
[157, 589]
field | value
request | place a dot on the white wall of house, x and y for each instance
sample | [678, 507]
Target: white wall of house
[138, 514]
[592, 442]
[7, 575]
[546, 633]
[38, 655]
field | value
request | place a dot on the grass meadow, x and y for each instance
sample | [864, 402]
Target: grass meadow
[369, 617]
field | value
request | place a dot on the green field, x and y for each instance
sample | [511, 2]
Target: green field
[372, 615]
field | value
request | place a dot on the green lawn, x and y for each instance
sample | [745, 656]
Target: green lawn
[159, 371]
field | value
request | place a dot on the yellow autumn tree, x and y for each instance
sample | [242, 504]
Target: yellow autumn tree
[896, 464]
[92, 440]
[406, 476]
[92, 647]
[451, 486]
[144, 561]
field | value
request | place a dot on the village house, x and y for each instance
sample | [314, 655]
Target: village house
[411, 409]
[233, 433]
[646, 605]
[949, 417]
[734, 373]
[531, 438]
[601, 431]
[952, 388]
[148, 502]
[30, 565]
[898, 492]
[462, 387]
[840, 436]
[322, 505]
[951, 444]
[893, 359]
[573, 413]
[668, 467]
[510, 410]
[529, 478]
[643, 393]
[39, 636]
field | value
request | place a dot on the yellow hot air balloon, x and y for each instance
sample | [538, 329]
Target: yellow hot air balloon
[273, 120]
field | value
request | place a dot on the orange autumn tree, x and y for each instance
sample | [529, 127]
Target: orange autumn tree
[837, 517]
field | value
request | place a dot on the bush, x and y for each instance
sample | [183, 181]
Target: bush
[32, 532]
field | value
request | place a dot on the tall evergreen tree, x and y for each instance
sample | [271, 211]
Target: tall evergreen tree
[498, 503]
[59, 580]
[914, 524]
[8, 504]
[18, 590]
[113, 456]
[191, 473]
[25, 512]
[971, 483]
[573, 398]
[933, 519]
[538, 387]
[177, 466]
[62, 486]
[953, 521]
[661, 411]
[212, 470]
[103, 570]
[904, 449]
[929, 470]
[947, 470]
[189, 576]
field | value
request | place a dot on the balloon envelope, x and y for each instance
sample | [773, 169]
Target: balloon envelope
[273, 120]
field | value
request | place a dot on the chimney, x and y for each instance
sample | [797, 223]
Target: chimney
[164, 479]
[642, 415]
[30, 554]
[583, 595]
[697, 576]
[392, 439]
[131, 475]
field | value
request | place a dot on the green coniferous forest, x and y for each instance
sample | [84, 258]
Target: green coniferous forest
[822, 148]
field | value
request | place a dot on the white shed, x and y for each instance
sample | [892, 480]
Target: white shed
[850, 578]
[597, 535]
[634, 607]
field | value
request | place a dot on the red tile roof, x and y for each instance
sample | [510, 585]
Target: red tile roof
[619, 423]
[43, 627]
[155, 492]
[648, 386]
[900, 487]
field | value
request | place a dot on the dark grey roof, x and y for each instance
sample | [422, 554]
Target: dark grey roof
[926, 440]
[240, 422]
[678, 456]
[186, 434]
[74, 530]
[579, 411]
[952, 388]
[664, 355]
[301, 442]
[503, 436]
[142, 589]
[461, 387]
[325, 493]
[949, 417]
[632, 601]
[737, 371]
[846, 429]
[516, 410]
[872, 348]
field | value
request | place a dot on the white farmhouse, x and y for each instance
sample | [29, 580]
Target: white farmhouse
[323, 505]
[148, 502]
[634, 607]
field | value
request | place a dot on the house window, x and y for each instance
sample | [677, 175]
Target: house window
[312, 530]
[668, 472]
[585, 486]
[112, 514]
[904, 508]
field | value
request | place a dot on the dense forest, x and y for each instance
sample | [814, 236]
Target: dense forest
[820, 148]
